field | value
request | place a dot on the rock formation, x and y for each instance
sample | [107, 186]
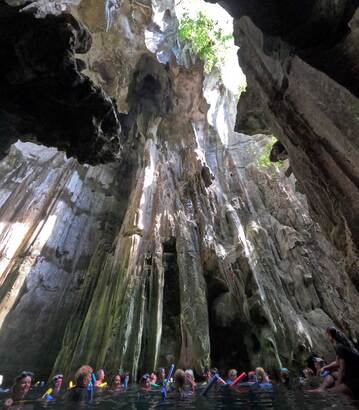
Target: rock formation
[184, 250]
[301, 63]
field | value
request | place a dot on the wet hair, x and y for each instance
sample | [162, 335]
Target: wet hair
[340, 337]
[159, 372]
[252, 376]
[180, 379]
[260, 372]
[144, 378]
[18, 379]
[24, 374]
[98, 373]
[82, 373]
[114, 377]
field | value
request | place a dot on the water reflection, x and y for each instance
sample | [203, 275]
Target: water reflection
[277, 399]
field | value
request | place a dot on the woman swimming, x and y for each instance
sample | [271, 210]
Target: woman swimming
[20, 389]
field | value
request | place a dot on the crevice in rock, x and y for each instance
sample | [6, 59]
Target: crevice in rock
[171, 333]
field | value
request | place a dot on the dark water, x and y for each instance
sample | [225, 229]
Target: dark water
[279, 398]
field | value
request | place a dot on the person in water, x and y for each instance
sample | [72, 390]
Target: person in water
[100, 378]
[232, 375]
[206, 375]
[284, 376]
[318, 365]
[179, 382]
[20, 389]
[161, 375]
[190, 384]
[145, 382]
[79, 392]
[261, 376]
[344, 376]
[116, 384]
[55, 387]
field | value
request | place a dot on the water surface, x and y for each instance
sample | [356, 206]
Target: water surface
[278, 398]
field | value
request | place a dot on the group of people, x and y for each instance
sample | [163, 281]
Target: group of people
[87, 383]
[342, 375]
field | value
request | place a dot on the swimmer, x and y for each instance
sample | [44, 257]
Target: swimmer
[232, 375]
[284, 376]
[179, 380]
[145, 382]
[318, 365]
[206, 375]
[57, 383]
[261, 376]
[190, 384]
[116, 383]
[252, 377]
[100, 378]
[20, 389]
[82, 381]
[161, 375]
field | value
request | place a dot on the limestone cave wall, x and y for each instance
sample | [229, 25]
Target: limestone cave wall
[301, 63]
[182, 250]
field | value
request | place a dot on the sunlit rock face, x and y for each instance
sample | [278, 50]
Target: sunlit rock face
[58, 220]
[301, 62]
[183, 251]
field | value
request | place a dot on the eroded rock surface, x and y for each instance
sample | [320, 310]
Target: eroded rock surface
[44, 97]
[186, 251]
[301, 63]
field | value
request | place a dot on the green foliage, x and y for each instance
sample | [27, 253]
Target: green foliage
[263, 162]
[205, 37]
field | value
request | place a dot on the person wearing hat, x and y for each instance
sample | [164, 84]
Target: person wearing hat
[284, 376]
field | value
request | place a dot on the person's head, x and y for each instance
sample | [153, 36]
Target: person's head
[318, 363]
[232, 374]
[161, 373]
[260, 375]
[153, 378]
[214, 371]
[284, 374]
[180, 379]
[189, 374]
[100, 375]
[145, 381]
[83, 376]
[252, 376]
[206, 373]
[116, 381]
[57, 381]
[308, 373]
[22, 384]
[338, 337]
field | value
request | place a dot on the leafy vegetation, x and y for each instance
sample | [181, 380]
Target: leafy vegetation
[205, 37]
[263, 162]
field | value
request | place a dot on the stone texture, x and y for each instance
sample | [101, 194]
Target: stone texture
[58, 220]
[302, 72]
[44, 96]
[186, 251]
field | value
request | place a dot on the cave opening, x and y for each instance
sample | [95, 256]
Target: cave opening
[226, 329]
[171, 327]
